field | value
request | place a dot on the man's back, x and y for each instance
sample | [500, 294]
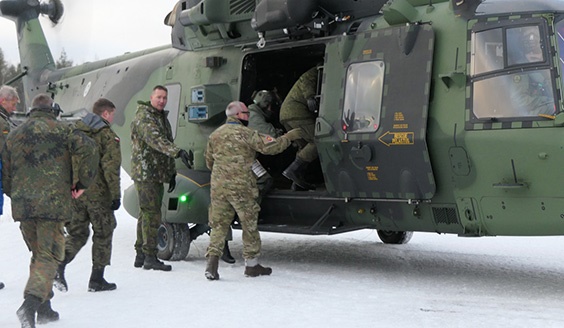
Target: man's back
[38, 162]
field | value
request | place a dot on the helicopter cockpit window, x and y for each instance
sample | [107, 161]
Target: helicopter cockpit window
[363, 97]
[511, 73]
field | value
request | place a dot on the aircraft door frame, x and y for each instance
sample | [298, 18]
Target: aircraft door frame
[378, 149]
[173, 105]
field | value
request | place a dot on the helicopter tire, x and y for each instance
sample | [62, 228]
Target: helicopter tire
[173, 241]
[395, 237]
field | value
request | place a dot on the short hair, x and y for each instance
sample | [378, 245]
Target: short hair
[8, 92]
[102, 105]
[234, 108]
[42, 101]
[160, 87]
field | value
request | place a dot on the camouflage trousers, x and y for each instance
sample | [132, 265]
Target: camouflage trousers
[308, 149]
[46, 241]
[150, 195]
[99, 214]
[221, 212]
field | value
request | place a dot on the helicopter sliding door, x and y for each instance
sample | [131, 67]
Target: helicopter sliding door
[372, 123]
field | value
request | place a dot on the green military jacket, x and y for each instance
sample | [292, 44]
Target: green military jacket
[294, 106]
[106, 186]
[37, 167]
[230, 153]
[258, 121]
[153, 150]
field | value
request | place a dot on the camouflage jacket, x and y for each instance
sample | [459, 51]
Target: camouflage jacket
[258, 121]
[153, 150]
[106, 186]
[230, 153]
[294, 106]
[37, 167]
[6, 125]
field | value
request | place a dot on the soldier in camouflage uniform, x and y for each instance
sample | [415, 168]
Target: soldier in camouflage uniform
[299, 111]
[99, 201]
[152, 164]
[37, 176]
[231, 150]
[8, 100]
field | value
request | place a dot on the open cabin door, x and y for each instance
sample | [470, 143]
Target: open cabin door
[372, 124]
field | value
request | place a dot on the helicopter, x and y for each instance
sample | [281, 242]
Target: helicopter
[430, 119]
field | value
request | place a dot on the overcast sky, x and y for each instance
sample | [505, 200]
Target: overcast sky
[93, 30]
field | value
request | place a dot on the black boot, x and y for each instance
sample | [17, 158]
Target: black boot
[152, 263]
[139, 259]
[226, 257]
[1, 285]
[295, 172]
[26, 312]
[46, 314]
[60, 282]
[97, 282]
[211, 268]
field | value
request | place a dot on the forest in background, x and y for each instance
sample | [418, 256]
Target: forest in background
[9, 74]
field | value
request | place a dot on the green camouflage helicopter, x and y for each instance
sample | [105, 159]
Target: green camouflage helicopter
[434, 115]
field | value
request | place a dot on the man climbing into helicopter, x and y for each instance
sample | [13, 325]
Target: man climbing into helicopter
[299, 110]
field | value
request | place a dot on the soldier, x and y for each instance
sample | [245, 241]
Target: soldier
[260, 119]
[8, 100]
[230, 153]
[152, 164]
[99, 201]
[37, 176]
[299, 111]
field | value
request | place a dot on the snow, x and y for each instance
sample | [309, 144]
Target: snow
[347, 280]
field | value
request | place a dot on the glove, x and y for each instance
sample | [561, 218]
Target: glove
[186, 158]
[295, 134]
[115, 204]
[172, 184]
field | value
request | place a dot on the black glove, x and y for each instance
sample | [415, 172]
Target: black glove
[115, 204]
[172, 184]
[186, 158]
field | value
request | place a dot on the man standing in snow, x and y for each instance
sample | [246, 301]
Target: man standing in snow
[152, 164]
[98, 203]
[37, 176]
[230, 153]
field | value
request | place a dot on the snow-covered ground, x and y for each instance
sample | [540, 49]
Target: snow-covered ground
[348, 280]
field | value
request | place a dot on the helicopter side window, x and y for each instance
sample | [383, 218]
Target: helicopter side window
[511, 73]
[363, 97]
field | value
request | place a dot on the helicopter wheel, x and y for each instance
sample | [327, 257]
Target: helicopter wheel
[395, 237]
[173, 241]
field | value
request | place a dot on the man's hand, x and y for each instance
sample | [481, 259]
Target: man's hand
[187, 158]
[77, 190]
[116, 203]
[295, 134]
[172, 184]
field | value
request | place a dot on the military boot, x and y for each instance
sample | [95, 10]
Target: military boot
[295, 172]
[26, 312]
[226, 257]
[46, 314]
[211, 269]
[97, 282]
[60, 282]
[139, 259]
[152, 263]
[257, 270]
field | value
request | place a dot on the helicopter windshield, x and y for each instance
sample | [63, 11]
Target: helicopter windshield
[511, 72]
